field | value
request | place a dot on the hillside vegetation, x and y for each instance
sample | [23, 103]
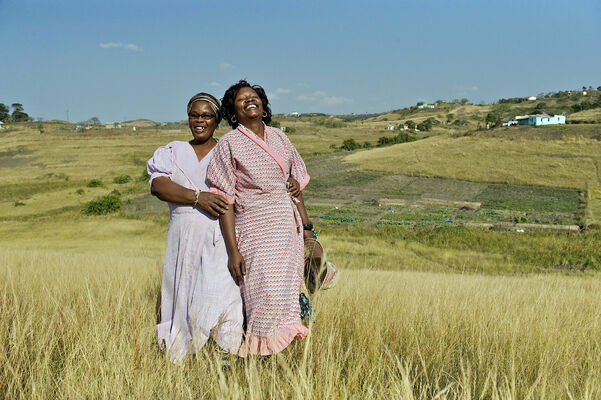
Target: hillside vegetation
[561, 156]
[464, 272]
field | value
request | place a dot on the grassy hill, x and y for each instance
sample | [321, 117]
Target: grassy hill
[556, 156]
[440, 308]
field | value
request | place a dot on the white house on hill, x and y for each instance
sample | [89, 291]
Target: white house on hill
[541, 119]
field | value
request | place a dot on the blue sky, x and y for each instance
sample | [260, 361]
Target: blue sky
[120, 60]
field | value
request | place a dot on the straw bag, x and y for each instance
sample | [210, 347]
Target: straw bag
[320, 274]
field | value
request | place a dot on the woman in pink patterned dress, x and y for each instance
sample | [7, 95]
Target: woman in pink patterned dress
[199, 298]
[260, 173]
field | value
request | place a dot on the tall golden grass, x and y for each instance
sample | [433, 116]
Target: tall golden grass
[78, 294]
[81, 325]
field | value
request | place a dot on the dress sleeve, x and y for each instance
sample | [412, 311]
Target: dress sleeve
[221, 172]
[161, 163]
[298, 169]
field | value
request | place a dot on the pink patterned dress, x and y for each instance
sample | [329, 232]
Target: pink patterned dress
[251, 174]
[199, 297]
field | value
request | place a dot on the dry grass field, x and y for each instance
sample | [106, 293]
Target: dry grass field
[79, 324]
[419, 313]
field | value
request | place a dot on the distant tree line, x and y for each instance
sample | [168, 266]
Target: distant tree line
[17, 115]
[586, 105]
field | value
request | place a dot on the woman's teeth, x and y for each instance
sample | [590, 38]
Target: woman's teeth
[199, 129]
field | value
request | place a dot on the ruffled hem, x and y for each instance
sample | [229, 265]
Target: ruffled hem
[265, 346]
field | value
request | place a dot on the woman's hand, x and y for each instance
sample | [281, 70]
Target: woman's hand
[212, 203]
[307, 234]
[293, 187]
[236, 266]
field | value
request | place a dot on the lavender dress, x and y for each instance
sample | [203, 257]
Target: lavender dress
[199, 298]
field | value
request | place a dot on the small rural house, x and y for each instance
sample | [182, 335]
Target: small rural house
[112, 125]
[390, 127]
[509, 121]
[1, 123]
[426, 105]
[541, 119]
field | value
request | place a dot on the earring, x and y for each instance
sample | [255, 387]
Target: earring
[264, 114]
[233, 119]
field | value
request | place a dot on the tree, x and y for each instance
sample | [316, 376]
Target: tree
[410, 124]
[493, 119]
[4, 112]
[93, 121]
[18, 115]
[350, 144]
[464, 101]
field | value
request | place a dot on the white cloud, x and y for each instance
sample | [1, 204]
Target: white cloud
[110, 45]
[133, 47]
[282, 91]
[225, 65]
[214, 84]
[272, 96]
[475, 88]
[119, 45]
[319, 93]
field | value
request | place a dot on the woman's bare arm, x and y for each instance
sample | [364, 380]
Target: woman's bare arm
[235, 263]
[167, 190]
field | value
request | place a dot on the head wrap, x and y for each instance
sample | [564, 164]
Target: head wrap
[213, 102]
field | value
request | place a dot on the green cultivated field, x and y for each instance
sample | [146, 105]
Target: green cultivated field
[480, 284]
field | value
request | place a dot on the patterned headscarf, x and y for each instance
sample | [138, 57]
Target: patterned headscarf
[213, 102]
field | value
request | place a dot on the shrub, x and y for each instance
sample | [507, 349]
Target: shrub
[330, 122]
[94, 183]
[275, 124]
[402, 137]
[103, 205]
[290, 129]
[121, 179]
[80, 191]
[384, 140]
[115, 192]
[144, 177]
[350, 144]
[18, 203]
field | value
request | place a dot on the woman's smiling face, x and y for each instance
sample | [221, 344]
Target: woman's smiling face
[201, 120]
[247, 105]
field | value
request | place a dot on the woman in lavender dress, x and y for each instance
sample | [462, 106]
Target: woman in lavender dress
[199, 297]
